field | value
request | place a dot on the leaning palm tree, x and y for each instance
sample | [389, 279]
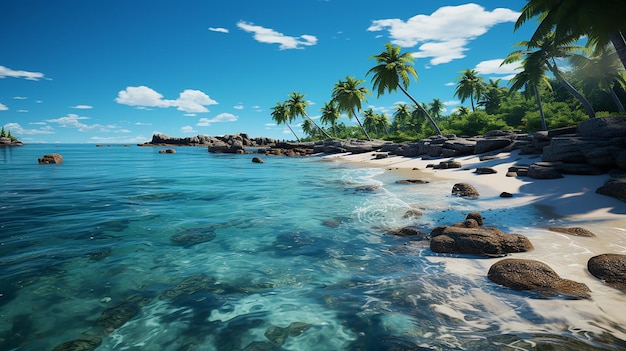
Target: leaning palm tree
[470, 86]
[601, 70]
[296, 106]
[330, 115]
[280, 116]
[532, 76]
[348, 96]
[382, 123]
[401, 117]
[602, 21]
[394, 71]
[544, 53]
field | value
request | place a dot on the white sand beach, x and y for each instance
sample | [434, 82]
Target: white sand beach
[572, 199]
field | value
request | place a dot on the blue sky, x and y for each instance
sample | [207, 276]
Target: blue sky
[119, 71]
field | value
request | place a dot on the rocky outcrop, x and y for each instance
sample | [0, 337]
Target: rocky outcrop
[611, 268]
[469, 237]
[464, 190]
[4, 141]
[536, 276]
[50, 159]
[219, 143]
[574, 231]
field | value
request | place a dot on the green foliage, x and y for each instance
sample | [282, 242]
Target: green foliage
[558, 114]
[474, 123]
[3, 133]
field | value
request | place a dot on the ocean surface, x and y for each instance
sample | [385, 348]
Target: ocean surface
[123, 248]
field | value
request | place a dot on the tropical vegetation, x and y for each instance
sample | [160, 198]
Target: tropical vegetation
[559, 83]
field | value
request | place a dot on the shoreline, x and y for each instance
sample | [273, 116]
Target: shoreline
[571, 198]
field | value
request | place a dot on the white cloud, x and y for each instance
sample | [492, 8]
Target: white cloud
[17, 129]
[82, 107]
[238, 107]
[142, 124]
[3, 107]
[222, 117]
[191, 101]
[270, 36]
[445, 33]
[7, 72]
[22, 111]
[187, 129]
[20, 97]
[75, 121]
[506, 71]
[218, 29]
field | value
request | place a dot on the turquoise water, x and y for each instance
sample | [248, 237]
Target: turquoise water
[198, 251]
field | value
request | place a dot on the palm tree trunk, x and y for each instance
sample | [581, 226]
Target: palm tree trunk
[543, 117]
[432, 121]
[573, 91]
[318, 127]
[361, 125]
[620, 106]
[294, 133]
[620, 45]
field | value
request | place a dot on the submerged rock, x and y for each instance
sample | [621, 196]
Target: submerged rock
[193, 236]
[521, 274]
[279, 335]
[85, 343]
[576, 231]
[115, 316]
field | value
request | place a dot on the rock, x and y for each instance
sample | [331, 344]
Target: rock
[448, 164]
[521, 274]
[611, 268]
[262, 346]
[192, 236]
[167, 151]
[477, 241]
[279, 335]
[115, 316]
[536, 171]
[412, 213]
[620, 161]
[464, 190]
[409, 231]
[487, 145]
[85, 343]
[475, 216]
[412, 181]
[485, 170]
[604, 127]
[380, 156]
[505, 194]
[51, 159]
[257, 160]
[615, 188]
[576, 231]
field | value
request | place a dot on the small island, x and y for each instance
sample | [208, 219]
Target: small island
[7, 139]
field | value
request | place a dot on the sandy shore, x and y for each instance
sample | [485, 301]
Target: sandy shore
[572, 197]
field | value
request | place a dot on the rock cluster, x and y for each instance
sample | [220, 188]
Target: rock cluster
[236, 143]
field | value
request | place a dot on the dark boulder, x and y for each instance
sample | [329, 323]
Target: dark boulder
[257, 160]
[604, 127]
[464, 190]
[615, 187]
[477, 241]
[531, 275]
[611, 268]
[488, 144]
[537, 171]
[85, 343]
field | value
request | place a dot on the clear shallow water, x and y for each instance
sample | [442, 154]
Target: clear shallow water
[296, 257]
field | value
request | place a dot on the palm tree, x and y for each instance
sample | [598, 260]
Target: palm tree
[532, 76]
[492, 96]
[470, 86]
[280, 116]
[348, 96]
[601, 70]
[436, 107]
[330, 114]
[309, 128]
[369, 121]
[463, 111]
[401, 117]
[602, 21]
[546, 51]
[382, 123]
[394, 71]
[296, 106]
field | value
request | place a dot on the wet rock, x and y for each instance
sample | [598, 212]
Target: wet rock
[193, 236]
[412, 213]
[51, 159]
[576, 231]
[464, 190]
[189, 286]
[262, 346]
[412, 232]
[475, 216]
[412, 181]
[477, 241]
[85, 343]
[531, 275]
[257, 160]
[611, 268]
[505, 194]
[485, 170]
[167, 151]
